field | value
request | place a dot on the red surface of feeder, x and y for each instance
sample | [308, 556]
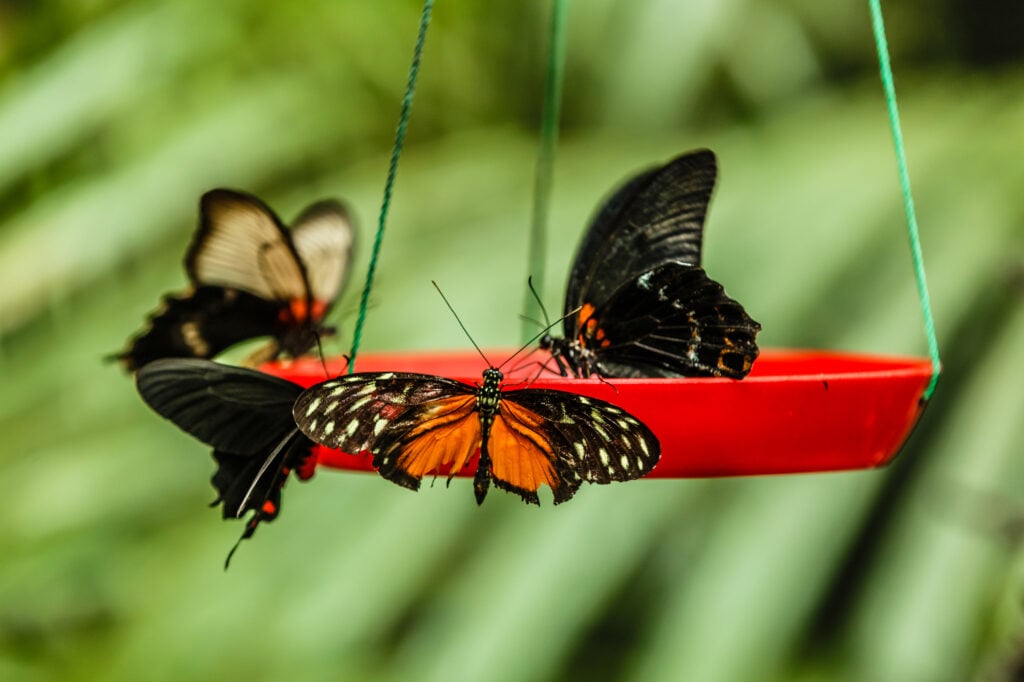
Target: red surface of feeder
[797, 411]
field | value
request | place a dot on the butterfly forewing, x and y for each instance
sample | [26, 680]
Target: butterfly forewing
[235, 409]
[241, 244]
[324, 237]
[656, 217]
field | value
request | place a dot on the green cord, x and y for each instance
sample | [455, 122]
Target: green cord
[396, 152]
[537, 257]
[908, 199]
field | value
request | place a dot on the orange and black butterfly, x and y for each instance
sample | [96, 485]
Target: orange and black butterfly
[418, 425]
[246, 416]
[251, 276]
[638, 303]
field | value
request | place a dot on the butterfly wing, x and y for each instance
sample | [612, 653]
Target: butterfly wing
[234, 409]
[324, 238]
[563, 439]
[656, 217]
[201, 325]
[241, 244]
[414, 424]
[252, 278]
[245, 415]
[671, 321]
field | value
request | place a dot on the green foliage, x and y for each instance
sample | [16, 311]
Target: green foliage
[115, 116]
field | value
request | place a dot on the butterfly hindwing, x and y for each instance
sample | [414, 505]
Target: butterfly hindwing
[673, 320]
[202, 324]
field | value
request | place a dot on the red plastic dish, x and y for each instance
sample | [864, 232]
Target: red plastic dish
[797, 411]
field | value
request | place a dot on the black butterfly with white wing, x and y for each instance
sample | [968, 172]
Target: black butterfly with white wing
[638, 303]
[251, 276]
[246, 416]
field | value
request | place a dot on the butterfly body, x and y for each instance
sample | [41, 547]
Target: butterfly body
[417, 425]
[638, 304]
[251, 276]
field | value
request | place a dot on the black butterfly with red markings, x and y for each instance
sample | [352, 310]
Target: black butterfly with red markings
[417, 425]
[246, 416]
[251, 276]
[638, 304]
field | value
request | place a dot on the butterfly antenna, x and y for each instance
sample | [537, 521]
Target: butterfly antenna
[536, 296]
[464, 330]
[320, 352]
[539, 334]
[530, 319]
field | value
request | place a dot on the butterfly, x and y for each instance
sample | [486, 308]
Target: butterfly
[251, 276]
[416, 425]
[638, 303]
[246, 416]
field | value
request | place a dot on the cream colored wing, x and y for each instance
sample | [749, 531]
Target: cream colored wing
[241, 244]
[324, 238]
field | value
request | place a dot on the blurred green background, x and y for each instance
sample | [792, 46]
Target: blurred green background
[116, 115]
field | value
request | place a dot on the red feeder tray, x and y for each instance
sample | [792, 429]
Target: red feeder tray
[797, 411]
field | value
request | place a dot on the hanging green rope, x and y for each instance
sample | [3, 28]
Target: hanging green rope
[396, 152]
[537, 257]
[908, 199]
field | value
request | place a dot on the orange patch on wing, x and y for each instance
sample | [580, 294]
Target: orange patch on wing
[444, 440]
[520, 456]
[588, 325]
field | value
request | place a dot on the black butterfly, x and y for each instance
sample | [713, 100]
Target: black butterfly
[638, 304]
[417, 425]
[251, 277]
[246, 416]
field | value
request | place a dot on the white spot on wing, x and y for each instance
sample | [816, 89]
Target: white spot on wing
[352, 426]
[603, 454]
[379, 425]
[625, 462]
[328, 428]
[312, 406]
